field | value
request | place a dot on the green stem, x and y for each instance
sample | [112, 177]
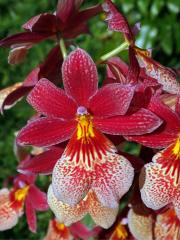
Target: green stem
[63, 48]
[115, 51]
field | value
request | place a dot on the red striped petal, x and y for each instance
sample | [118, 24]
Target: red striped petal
[38, 198]
[111, 100]
[140, 122]
[167, 133]
[164, 76]
[46, 132]
[30, 215]
[116, 21]
[80, 76]
[117, 69]
[49, 100]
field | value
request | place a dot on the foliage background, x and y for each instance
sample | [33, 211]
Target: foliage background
[160, 31]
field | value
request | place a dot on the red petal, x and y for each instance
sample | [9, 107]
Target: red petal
[86, 14]
[17, 55]
[25, 37]
[172, 119]
[80, 76]
[51, 101]
[155, 140]
[117, 69]
[134, 69]
[46, 132]
[164, 76]
[5, 95]
[167, 133]
[30, 215]
[116, 21]
[79, 230]
[52, 71]
[42, 163]
[111, 100]
[45, 22]
[66, 8]
[38, 198]
[141, 122]
[32, 78]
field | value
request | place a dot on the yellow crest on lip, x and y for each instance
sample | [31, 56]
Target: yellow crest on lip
[120, 232]
[60, 226]
[176, 149]
[84, 128]
[21, 193]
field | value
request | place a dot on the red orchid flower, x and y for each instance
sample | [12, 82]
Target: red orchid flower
[58, 231]
[10, 95]
[161, 185]
[145, 87]
[88, 111]
[164, 76]
[12, 202]
[68, 21]
[162, 226]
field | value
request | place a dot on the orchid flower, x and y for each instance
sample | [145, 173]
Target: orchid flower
[164, 226]
[89, 158]
[58, 231]
[23, 193]
[67, 21]
[164, 76]
[160, 181]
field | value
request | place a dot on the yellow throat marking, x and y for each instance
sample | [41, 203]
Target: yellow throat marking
[21, 193]
[84, 128]
[60, 226]
[176, 149]
[121, 232]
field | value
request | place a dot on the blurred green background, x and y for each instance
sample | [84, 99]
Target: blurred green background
[160, 31]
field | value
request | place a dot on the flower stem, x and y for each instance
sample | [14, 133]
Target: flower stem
[63, 48]
[115, 51]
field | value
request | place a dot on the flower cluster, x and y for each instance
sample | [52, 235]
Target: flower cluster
[81, 130]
